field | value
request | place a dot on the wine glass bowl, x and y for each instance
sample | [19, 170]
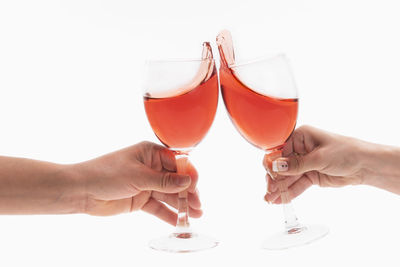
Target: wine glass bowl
[256, 100]
[181, 112]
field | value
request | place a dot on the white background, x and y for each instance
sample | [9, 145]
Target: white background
[70, 90]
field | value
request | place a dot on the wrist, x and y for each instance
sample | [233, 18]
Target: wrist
[76, 195]
[381, 166]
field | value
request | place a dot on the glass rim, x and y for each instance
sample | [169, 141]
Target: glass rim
[258, 59]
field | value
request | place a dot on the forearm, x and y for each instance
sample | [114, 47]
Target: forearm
[382, 167]
[36, 187]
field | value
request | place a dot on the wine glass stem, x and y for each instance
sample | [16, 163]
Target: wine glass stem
[182, 224]
[291, 221]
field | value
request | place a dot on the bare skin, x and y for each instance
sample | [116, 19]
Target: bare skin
[140, 177]
[315, 157]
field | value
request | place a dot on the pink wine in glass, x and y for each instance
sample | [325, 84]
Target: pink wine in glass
[182, 121]
[264, 121]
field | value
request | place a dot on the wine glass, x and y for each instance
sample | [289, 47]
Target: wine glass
[262, 101]
[180, 99]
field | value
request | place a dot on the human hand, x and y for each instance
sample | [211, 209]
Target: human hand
[140, 177]
[314, 157]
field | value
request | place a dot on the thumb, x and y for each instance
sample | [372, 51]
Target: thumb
[298, 164]
[161, 181]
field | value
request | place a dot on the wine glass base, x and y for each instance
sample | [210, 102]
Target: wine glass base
[183, 242]
[298, 236]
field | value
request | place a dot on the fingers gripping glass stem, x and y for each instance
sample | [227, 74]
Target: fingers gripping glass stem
[291, 222]
[295, 234]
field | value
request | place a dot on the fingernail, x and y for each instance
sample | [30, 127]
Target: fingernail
[280, 166]
[182, 180]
